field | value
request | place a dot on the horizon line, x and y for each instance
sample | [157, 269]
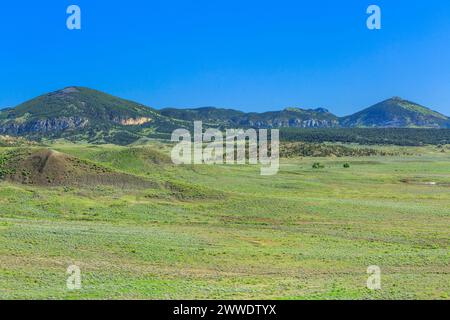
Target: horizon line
[223, 108]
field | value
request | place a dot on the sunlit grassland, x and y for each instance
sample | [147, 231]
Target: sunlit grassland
[302, 234]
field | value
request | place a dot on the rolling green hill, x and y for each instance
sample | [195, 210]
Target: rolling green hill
[397, 113]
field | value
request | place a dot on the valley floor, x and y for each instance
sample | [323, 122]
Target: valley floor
[302, 234]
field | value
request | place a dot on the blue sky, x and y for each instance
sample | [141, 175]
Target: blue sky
[250, 55]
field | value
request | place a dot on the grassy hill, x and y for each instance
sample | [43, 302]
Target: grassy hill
[397, 113]
[9, 141]
[47, 167]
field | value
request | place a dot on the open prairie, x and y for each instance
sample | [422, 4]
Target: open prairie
[159, 231]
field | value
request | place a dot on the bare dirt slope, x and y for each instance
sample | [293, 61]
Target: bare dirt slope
[46, 167]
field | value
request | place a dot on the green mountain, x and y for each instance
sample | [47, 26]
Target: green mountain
[79, 113]
[83, 114]
[290, 117]
[396, 113]
[209, 115]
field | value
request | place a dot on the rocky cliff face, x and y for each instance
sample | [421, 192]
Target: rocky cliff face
[80, 113]
[291, 123]
[41, 126]
[133, 121]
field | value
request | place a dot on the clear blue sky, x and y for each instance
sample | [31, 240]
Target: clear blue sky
[251, 55]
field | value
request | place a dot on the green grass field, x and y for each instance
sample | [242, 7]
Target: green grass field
[225, 232]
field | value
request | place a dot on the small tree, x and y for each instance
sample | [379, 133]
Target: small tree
[346, 165]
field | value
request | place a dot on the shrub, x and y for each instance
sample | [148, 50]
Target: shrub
[318, 165]
[346, 165]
